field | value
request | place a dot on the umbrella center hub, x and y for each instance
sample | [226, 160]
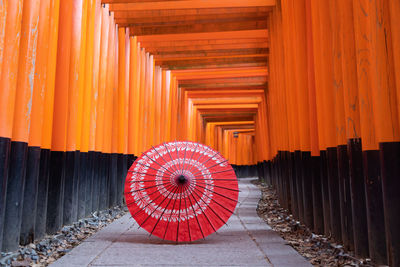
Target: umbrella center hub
[181, 179]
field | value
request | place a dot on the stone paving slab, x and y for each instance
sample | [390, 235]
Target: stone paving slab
[245, 241]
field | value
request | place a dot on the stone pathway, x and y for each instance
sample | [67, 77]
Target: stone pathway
[245, 241]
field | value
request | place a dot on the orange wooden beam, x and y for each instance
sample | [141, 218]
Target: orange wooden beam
[178, 45]
[196, 27]
[234, 15]
[206, 36]
[193, 12]
[189, 4]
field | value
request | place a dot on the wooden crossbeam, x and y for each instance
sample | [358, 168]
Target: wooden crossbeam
[214, 65]
[181, 73]
[233, 123]
[190, 4]
[225, 53]
[172, 13]
[134, 1]
[206, 47]
[190, 19]
[219, 117]
[206, 36]
[212, 61]
[199, 27]
[225, 80]
[218, 88]
[225, 85]
[223, 73]
[229, 107]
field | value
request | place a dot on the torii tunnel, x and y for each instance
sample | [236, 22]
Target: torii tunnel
[306, 93]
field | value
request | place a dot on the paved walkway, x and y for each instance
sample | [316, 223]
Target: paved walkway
[245, 241]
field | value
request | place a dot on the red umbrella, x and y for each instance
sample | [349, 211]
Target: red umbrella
[181, 191]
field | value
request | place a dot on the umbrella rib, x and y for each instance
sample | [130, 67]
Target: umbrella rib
[162, 156]
[198, 175]
[177, 157]
[144, 188]
[210, 207]
[156, 175]
[179, 211]
[195, 189]
[205, 161]
[209, 158]
[210, 166]
[142, 197]
[169, 219]
[187, 216]
[170, 156]
[217, 193]
[159, 154]
[158, 220]
[145, 181]
[141, 189]
[155, 208]
[197, 219]
[147, 166]
[194, 151]
[184, 159]
[211, 179]
[201, 156]
[230, 189]
[158, 164]
[203, 213]
[165, 190]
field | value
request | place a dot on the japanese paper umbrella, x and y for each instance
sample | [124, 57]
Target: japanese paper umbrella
[181, 191]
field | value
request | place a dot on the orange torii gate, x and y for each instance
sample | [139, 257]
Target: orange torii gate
[88, 85]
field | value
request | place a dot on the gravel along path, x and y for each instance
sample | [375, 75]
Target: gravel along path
[44, 252]
[318, 249]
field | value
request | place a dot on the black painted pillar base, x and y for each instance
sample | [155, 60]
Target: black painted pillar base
[15, 195]
[299, 184]
[286, 178]
[318, 211]
[89, 183]
[293, 185]
[70, 187]
[41, 204]
[345, 199]
[5, 146]
[30, 196]
[334, 197]
[281, 182]
[108, 180]
[375, 215]
[274, 180]
[307, 189]
[103, 190]
[55, 195]
[82, 184]
[114, 182]
[131, 160]
[96, 181]
[76, 178]
[121, 175]
[125, 167]
[264, 171]
[325, 193]
[267, 168]
[260, 172]
[390, 169]
[282, 178]
[358, 202]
